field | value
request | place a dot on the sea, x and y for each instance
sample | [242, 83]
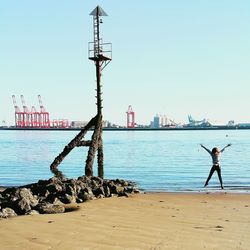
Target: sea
[157, 161]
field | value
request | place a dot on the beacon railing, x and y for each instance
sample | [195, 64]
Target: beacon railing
[105, 50]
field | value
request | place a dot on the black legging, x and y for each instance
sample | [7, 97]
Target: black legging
[214, 168]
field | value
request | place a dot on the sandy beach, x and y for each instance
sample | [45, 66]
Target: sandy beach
[144, 221]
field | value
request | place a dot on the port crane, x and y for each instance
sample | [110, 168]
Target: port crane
[130, 117]
[26, 113]
[18, 114]
[44, 120]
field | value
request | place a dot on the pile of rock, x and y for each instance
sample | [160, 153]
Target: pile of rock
[50, 196]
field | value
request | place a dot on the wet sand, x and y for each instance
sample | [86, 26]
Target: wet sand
[145, 221]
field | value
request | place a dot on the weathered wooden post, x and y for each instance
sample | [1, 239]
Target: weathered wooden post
[98, 52]
[101, 54]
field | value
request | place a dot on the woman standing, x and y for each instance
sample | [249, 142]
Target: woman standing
[215, 154]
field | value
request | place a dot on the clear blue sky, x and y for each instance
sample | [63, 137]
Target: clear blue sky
[169, 57]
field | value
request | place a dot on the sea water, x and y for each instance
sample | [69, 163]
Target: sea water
[155, 160]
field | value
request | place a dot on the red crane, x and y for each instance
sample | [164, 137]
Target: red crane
[44, 121]
[130, 117]
[35, 119]
[26, 114]
[35, 115]
[19, 116]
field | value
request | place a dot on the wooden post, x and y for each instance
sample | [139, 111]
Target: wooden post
[76, 142]
[100, 158]
[93, 148]
[96, 142]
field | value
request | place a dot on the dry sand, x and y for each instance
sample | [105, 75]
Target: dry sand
[144, 221]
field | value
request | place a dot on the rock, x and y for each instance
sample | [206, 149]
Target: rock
[136, 190]
[27, 195]
[57, 180]
[85, 179]
[79, 186]
[7, 213]
[50, 196]
[32, 212]
[99, 181]
[84, 196]
[88, 190]
[99, 191]
[43, 182]
[44, 193]
[94, 184]
[48, 208]
[116, 189]
[58, 202]
[67, 198]
[8, 191]
[78, 200]
[126, 194]
[70, 189]
[54, 187]
[119, 190]
[119, 182]
[40, 191]
[107, 191]
[100, 196]
[22, 206]
[23, 201]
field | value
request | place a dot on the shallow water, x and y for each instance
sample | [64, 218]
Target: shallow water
[156, 160]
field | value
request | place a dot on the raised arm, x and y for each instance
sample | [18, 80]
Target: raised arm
[228, 145]
[206, 149]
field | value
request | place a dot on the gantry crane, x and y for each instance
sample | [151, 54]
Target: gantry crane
[44, 120]
[19, 120]
[130, 117]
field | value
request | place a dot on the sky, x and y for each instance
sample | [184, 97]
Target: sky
[172, 58]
